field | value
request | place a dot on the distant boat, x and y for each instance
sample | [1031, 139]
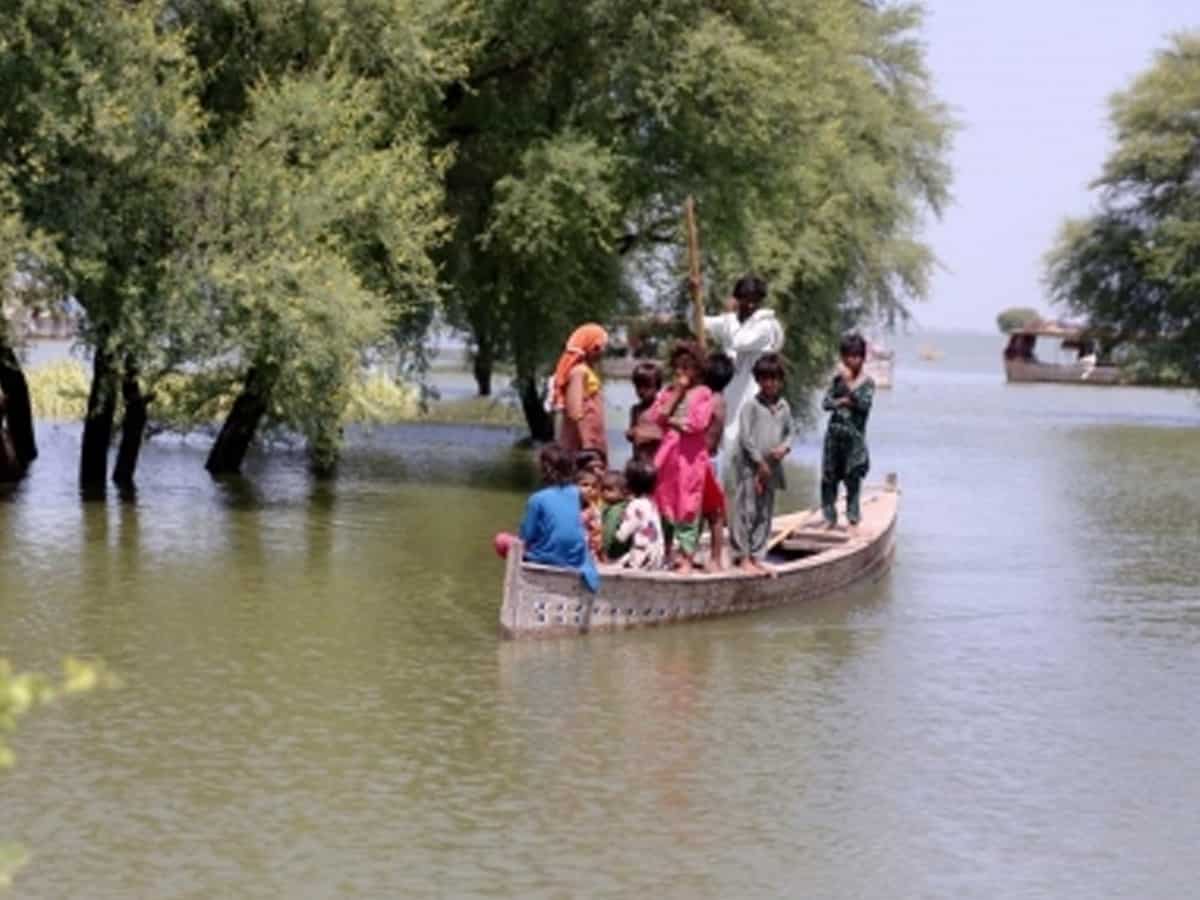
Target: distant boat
[1022, 365]
[930, 354]
[544, 601]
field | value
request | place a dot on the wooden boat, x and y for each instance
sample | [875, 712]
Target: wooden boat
[543, 601]
[1021, 370]
[1022, 365]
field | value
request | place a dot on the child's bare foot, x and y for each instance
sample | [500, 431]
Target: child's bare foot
[852, 529]
[761, 568]
[830, 526]
[683, 565]
[713, 566]
[748, 566]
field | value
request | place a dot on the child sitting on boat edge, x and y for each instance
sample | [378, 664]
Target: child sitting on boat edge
[552, 528]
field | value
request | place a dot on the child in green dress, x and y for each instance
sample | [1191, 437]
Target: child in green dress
[845, 459]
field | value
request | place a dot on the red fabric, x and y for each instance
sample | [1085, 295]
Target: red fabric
[503, 542]
[713, 502]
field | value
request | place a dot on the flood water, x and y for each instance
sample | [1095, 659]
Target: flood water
[316, 703]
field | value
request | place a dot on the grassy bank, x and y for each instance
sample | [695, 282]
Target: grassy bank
[59, 391]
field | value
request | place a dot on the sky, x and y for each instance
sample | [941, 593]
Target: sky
[1028, 83]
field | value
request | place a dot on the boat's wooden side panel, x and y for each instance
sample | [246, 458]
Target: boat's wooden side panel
[543, 602]
[1019, 370]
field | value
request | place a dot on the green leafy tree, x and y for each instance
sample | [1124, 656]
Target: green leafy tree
[807, 132]
[315, 192]
[324, 198]
[244, 191]
[18, 448]
[1133, 268]
[1015, 317]
[101, 136]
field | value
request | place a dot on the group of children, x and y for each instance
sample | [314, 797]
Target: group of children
[652, 515]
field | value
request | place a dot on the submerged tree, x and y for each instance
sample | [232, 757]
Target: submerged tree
[806, 131]
[18, 447]
[101, 132]
[243, 191]
[1133, 268]
[324, 200]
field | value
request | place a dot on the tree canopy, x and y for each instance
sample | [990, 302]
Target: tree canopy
[1133, 268]
[1009, 320]
[263, 195]
[807, 132]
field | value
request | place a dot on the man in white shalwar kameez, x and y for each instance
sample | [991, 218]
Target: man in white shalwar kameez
[745, 333]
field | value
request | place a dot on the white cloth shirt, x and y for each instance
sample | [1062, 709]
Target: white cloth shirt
[745, 342]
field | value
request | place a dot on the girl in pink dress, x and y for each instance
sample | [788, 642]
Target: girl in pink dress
[683, 411]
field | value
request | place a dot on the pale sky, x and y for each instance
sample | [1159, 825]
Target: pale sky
[1029, 83]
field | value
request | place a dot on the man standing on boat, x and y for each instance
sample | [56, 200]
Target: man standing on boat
[746, 332]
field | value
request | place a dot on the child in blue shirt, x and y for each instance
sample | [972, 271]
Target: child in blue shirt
[552, 529]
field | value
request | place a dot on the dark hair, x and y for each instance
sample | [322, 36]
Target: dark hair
[853, 345]
[718, 371]
[769, 365]
[613, 481]
[587, 458]
[556, 464]
[641, 476]
[647, 374]
[686, 348]
[750, 287]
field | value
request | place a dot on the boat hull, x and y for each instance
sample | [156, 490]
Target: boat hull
[541, 601]
[1019, 370]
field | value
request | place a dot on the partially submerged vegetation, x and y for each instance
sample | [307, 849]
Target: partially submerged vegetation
[187, 403]
[1131, 271]
[263, 197]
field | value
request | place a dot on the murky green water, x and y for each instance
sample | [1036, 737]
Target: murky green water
[317, 704]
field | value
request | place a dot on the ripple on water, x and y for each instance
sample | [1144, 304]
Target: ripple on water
[316, 703]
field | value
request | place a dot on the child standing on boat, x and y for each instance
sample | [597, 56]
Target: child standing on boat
[683, 411]
[845, 457]
[718, 372]
[765, 432]
[643, 434]
[641, 524]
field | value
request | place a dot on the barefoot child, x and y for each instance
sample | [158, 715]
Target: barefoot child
[641, 524]
[683, 411]
[718, 372]
[644, 434]
[765, 432]
[845, 458]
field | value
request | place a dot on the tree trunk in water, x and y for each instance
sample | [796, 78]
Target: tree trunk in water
[541, 423]
[239, 429]
[484, 361]
[97, 427]
[133, 428]
[18, 413]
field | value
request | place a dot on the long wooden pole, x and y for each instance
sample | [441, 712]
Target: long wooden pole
[694, 282]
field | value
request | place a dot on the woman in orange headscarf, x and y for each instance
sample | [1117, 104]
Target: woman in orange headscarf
[577, 391]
